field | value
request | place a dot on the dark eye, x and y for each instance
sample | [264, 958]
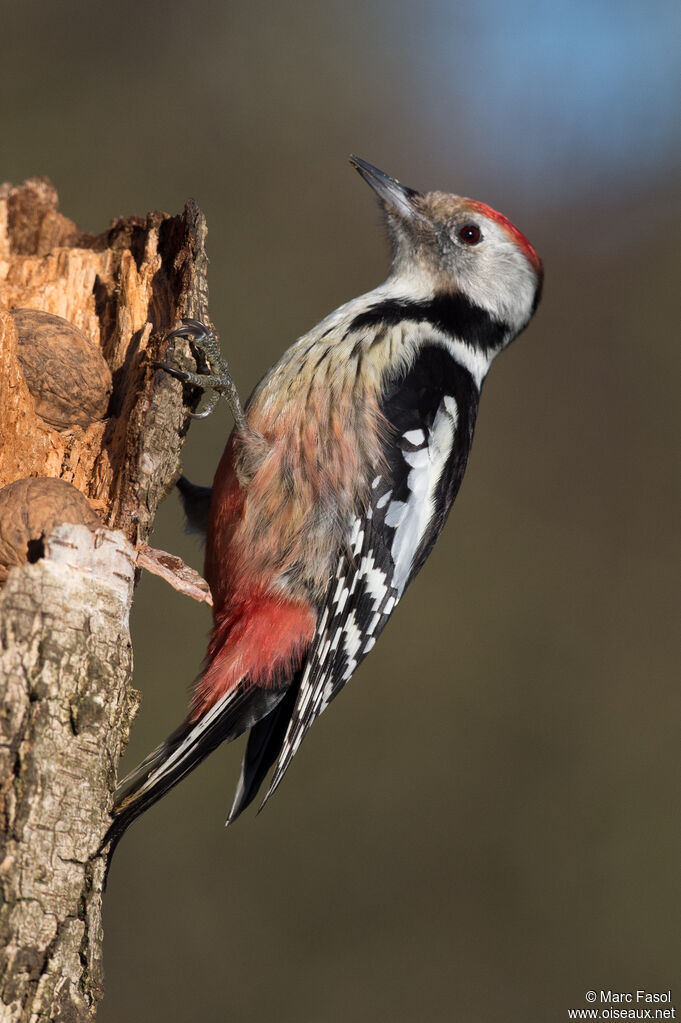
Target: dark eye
[470, 234]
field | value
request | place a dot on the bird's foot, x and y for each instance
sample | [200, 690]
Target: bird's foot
[217, 380]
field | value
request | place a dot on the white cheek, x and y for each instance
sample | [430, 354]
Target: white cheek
[501, 281]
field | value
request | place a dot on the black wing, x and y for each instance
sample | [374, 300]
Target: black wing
[432, 409]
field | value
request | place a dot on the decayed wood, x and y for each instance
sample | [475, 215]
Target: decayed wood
[125, 289]
[181, 577]
[65, 655]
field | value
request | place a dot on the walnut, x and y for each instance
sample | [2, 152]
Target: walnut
[65, 372]
[29, 509]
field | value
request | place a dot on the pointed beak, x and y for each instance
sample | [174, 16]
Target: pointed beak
[394, 194]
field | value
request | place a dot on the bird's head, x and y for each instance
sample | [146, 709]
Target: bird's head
[443, 244]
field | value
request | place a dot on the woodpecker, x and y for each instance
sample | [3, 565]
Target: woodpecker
[337, 479]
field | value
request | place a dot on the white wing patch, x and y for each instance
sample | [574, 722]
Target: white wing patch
[415, 437]
[410, 518]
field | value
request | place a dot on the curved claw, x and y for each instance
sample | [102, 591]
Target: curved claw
[179, 373]
[191, 328]
[196, 325]
[186, 332]
[210, 405]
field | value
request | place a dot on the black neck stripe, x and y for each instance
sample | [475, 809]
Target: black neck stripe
[454, 315]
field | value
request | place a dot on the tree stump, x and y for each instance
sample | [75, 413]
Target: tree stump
[90, 440]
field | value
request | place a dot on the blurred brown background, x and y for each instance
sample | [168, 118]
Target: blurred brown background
[487, 824]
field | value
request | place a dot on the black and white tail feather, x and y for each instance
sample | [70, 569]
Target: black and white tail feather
[232, 715]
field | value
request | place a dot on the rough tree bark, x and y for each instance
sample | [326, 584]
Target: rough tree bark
[71, 428]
